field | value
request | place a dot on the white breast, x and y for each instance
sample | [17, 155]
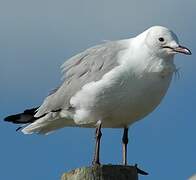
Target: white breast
[124, 95]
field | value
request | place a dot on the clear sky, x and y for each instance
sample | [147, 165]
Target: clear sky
[36, 37]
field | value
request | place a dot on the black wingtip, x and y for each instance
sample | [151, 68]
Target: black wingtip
[22, 118]
[12, 118]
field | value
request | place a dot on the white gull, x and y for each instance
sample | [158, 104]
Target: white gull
[111, 85]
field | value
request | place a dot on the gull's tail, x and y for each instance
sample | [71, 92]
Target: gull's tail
[42, 125]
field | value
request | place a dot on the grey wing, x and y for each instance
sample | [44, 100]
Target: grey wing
[81, 69]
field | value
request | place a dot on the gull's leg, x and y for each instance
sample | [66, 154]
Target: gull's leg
[125, 141]
[97, 145]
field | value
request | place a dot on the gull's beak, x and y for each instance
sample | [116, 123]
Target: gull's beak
[181, 49]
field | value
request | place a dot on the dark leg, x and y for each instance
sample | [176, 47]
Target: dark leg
[125, 141]
[97, 145]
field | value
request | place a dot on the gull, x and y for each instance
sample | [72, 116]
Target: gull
[111, 85]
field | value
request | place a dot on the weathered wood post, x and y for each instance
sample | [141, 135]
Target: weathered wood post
[103, 172]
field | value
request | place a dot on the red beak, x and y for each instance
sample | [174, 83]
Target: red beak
[181, 49]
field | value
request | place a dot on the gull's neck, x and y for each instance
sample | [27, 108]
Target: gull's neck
[139, 58]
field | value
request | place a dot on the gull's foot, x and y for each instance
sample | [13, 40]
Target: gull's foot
[139, 171]
[96, 163]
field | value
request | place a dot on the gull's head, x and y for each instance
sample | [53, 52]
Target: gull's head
[164, 42]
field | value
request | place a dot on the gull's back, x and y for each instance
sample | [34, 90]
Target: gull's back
[81, 69]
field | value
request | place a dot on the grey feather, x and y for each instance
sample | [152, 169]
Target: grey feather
[81, 69]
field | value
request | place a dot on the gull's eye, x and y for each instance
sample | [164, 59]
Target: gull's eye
[161, 39]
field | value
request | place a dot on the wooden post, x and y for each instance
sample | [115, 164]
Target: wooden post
[103, 172]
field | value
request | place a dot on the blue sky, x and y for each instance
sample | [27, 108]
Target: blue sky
[36, 37]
